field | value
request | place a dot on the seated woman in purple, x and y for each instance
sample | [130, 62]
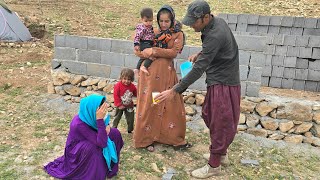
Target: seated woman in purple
[93, 148]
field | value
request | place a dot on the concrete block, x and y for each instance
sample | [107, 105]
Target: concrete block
[289, 73]
[76, 42]
[285, 30]
[255, 74]
[314, 75]
[305, 52]
[302, 63]
[115, 72]
[243, 88]
[199, 84]
[281, 50]
[99, 70]
[262, 29]
[311, 86]
[297, 31]
[290, 61]
[318, 26]
[233, 18]
[301, 74]
[310, 22]
[274, 29]
[270, 38]
[270, 49]
[194, 50]
[293, 51]
[298, 84]
[75, 67]
[112, 59]
[244, 57]
[266, 71]
[223, 16]
[316, 53]
[232, 26]
[277, 71]
[257, 59]
[65, 53]
[185, 53]
[290, 40]
[311, 32]
[252, 28]
[318, 88]
[298, 22]
[55, 63]
[268, 61]
[277, 60]
[314, 41]
[264, 20]
[253, 89]
[287, 21]
[121, 46]
[314, 65]
[99, 44]
[253, 19]
[265, 81]
[244, 70]
[278, 39]
[275, 82]
[89, 56]
[251, 43]
[275, 20]
[243, 18]
[241, 27]
[287, 83]
[302, 41]
[59, 40]
[131, 61]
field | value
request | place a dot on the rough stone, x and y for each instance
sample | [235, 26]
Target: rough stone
[276, 136]
[304, 127]
[190, 110]
[60, 77]
[258, 132]
[286, 126]
[269, 123]
[90, 82]
[242, 118]
[316, 130]
[265, 108]
[316, 117]
[295, 111]
[190, 100]
[199, 99]
[50, 88]
[77, 79]
[242, 127]
[108, 88]
[252, 120]
[72, 90]
[294, 139]
[247, 106]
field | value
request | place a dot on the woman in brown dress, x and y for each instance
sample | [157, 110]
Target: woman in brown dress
[165, 122]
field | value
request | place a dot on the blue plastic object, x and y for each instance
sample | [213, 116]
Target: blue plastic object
[185, 68]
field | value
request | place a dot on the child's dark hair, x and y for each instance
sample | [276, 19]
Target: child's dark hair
[146, 12]
[126, 72]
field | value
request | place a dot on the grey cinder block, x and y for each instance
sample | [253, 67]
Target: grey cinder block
[297, 31]
[55, 63]
[77, 42]
[112, 58]
[223, 16]
[302, 63]
[290, 61]
[266, 71]
[275, 20]
[275, 82]
[290, 40]
[185, 53]
[252, 28]
[199, 84]
[311, 86]
[274, 30]
[314, 75]
[253, 89]
[262, 29]
[311, 32]
[59, 40]
[232, 26]
[270, 38]
[257, 59]
[121, 46]
[265, 81]
[99, 70]
[75, 67]
[287, 83]
[244, 57]
[253, 19]
[310, 23]
[316, 53]
[281, 50]
[268, 61]
[115, 72]
[255, 74]
[302, 41]
[287, 21]
[194, 50]
[285, 30]
[293, 51]
[131, 61]
[243, 72]
[277, 71]
[89, 56]
[298, 84]
[298, 22]
[278, 39]
[251, 43]
[289, 73]
[264, 20]
[314, 65]
[243, 88]
[99, 44]
[301, 74]
[277, 60]
[305, 52]
[65, 53]
[270, 49]
[243, 18]
[241, 27]
[314, 41]
[233, 18]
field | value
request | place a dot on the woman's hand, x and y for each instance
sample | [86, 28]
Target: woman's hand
[108, 128]
[102, 111]
[147, 52]
[193, 58]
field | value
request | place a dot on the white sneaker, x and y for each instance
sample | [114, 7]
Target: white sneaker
[206, 171]
[224, 159]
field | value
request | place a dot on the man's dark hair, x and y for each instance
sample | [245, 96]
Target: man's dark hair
[146, 12]
[128, 73]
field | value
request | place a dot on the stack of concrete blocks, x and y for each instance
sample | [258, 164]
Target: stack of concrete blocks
[292, 51]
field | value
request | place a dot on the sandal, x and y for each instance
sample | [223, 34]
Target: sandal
[182, 147]
[150, 148]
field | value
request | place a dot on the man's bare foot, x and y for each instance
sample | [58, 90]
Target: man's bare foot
[144, 69]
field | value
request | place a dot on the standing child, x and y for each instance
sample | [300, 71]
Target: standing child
[123, 92]
[144, 37]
